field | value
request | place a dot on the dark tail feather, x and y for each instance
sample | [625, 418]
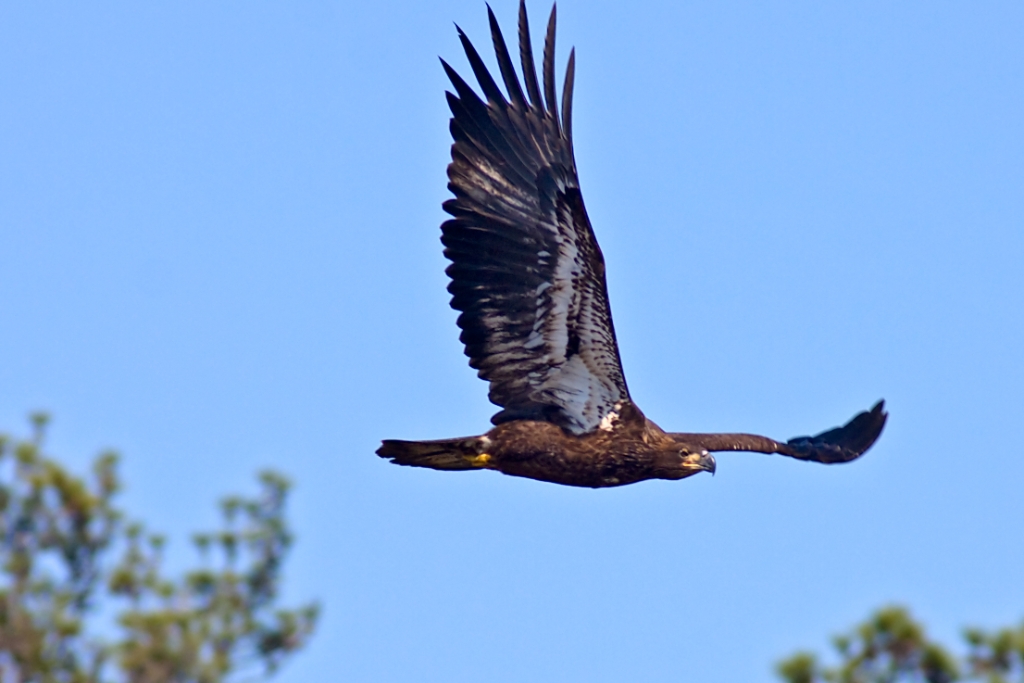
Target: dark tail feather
[443, 454]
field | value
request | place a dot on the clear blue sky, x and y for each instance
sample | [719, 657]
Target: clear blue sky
[219, 252]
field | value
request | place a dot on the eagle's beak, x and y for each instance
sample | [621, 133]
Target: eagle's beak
[707, 463]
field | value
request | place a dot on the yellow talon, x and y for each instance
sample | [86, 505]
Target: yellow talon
[481, 460]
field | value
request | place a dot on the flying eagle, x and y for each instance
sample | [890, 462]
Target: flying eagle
[528, 278]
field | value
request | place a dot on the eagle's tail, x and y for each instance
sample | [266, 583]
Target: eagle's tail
[466, 453]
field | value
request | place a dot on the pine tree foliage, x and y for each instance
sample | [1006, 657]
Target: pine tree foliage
[70, 559]
[891, 647]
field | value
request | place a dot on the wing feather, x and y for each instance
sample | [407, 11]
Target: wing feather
[526, 57]
[549, 66]
[508, 72]
[570, 79]
[526, 272]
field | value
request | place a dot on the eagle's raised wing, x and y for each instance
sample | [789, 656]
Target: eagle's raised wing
[526, 270]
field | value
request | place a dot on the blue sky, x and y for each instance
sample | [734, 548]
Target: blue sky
[219, 252]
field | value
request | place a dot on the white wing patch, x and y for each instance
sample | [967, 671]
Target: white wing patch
[569, 336]
[609, 420]
[579, 383]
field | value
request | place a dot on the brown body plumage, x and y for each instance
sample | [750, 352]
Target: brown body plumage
[528, 277]
[631, 449]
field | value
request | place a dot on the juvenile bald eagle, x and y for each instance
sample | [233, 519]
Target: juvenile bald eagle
[528, 277]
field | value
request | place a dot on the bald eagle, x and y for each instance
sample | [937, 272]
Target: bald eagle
[528, 277]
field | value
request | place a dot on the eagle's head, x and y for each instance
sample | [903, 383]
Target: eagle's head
[679, 463]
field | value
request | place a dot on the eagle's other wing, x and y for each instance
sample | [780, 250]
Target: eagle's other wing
[526, 271]
[841, 444]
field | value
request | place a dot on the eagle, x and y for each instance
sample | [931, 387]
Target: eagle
[528, 279]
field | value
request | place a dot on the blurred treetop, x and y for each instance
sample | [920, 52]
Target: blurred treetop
[891, 647]
[71, 560]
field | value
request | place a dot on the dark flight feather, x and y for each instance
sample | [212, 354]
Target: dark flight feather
[508, 72]
[526, 57]
[483, 76]
[549, 66]
[570, 79]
